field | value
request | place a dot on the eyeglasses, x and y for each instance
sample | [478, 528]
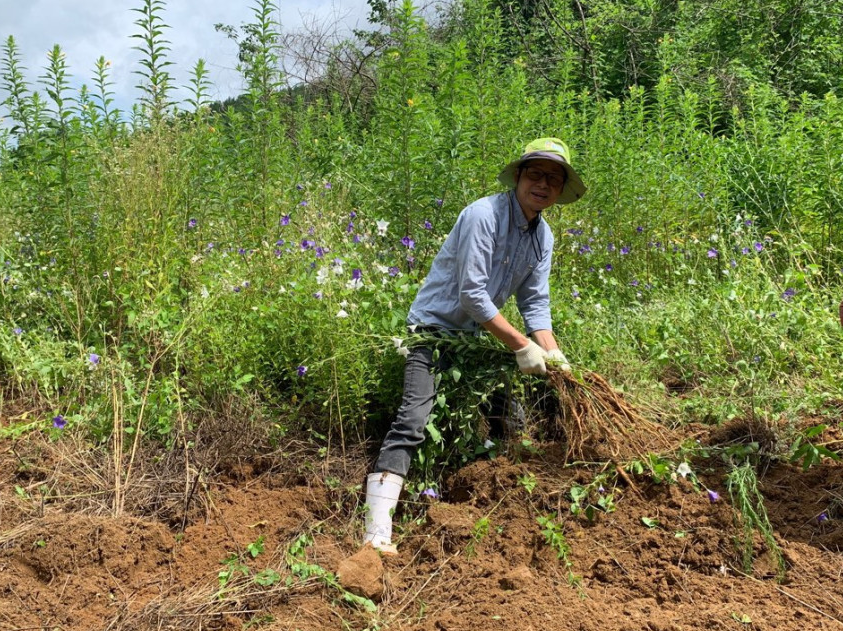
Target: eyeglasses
[535, 174]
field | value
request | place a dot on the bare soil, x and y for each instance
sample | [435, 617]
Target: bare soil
[665, 559]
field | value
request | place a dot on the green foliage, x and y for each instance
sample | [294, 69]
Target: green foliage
[742, 483]
[594, 497]
[302, 570]
[210, 255]
[809, 453]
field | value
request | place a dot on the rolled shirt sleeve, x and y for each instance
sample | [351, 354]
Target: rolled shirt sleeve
[474, 262]
[533, 295]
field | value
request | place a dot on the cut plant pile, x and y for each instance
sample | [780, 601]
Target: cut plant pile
[597, 423]
[498, 549]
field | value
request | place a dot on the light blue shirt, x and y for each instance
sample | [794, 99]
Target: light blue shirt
[489, 256]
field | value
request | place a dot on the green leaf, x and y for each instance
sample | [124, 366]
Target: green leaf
[650, 522]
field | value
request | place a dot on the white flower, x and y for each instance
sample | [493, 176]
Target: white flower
[683, 469]
[397, 341]
[383, 269]
[321, 275]
[691, 281]
[413, 327]
[204, 292]
[354, 283]
[281, 289]
[338, 269]
[382, 226]
[713, 238]
[342, 313]
[344, 304]
[403, 351]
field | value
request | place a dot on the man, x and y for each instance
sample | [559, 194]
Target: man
[498, 247]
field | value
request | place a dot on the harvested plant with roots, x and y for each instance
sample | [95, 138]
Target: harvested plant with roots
[597, 423]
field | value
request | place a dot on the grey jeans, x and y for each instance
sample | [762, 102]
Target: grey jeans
[407, 430]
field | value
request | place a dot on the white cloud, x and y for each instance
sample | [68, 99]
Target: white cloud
[88, 29]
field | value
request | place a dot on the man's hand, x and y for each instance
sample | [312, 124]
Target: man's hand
[558, 359]
[531, 359]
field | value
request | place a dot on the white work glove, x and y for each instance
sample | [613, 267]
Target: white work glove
[556, 357]
[531, 359]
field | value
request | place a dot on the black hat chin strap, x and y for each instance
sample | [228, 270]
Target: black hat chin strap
[532, 226]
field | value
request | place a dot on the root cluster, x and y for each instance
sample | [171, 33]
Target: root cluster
[598, 424]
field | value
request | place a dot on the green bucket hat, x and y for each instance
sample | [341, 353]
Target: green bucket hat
[548, 149]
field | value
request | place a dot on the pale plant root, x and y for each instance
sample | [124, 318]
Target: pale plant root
[597, 423]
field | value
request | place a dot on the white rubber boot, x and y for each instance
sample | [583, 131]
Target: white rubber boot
[382, 491]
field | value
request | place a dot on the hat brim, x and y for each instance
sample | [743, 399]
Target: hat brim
[571, 192]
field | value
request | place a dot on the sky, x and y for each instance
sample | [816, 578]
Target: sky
[88, 29]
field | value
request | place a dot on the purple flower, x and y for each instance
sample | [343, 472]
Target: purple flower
[610, 247]
[191, 223]
[575, 293]
[758, 246]
[320, 252]
[94, 359]
[639, 229]
[823, 516]
[789, 293]
[633, 283]
[624, 250]
[307, 244]
[713, 496]
[285, 220]
[430, 493]
[744, 251]
[352, 215]
[301, 370]
[576, 232]
[586, 249]
[408, 242]
[328, 185]
[439, 202]
[733, 263]
[299, 187]
[712, 253]
[356, 239]
[280, 242]
[303, 202]
[702, 195]
[337, 261]
[394, 271]
[237, 289]
[609, 267]
[17, 330]
[318, 295]
[428, 225]
[350, 227]
[242, 251]
[210, 246]
[311, 231]
[356, 273]
[748, 222]
[59, 422]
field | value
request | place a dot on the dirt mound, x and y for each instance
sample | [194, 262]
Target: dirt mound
[74, 571]
[500, 549]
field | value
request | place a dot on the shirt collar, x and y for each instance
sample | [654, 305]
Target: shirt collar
[516, 214]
